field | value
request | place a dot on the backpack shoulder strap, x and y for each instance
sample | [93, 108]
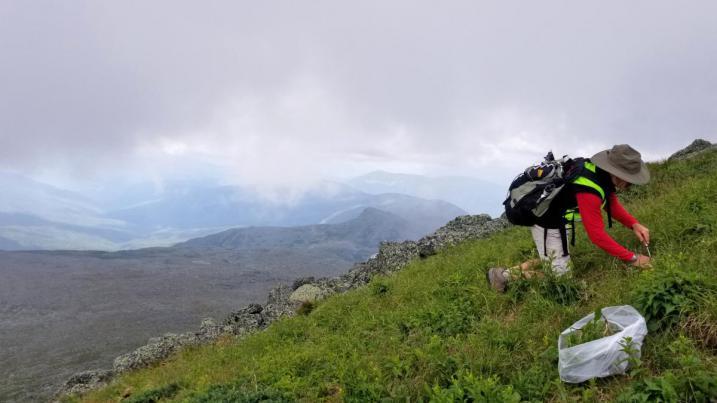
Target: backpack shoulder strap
[587, 179]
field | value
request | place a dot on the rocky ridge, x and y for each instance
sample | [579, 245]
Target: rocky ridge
[285, 300]
[697, 147]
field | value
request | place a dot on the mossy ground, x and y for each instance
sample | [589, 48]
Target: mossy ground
[436, 331]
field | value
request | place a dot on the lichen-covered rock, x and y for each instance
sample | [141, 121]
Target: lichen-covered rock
[157, 349]
[308, 293]
[301, 281]
[85, 381]
[697, 147]
[458, 230]
[245, 320]
[333, 285]
[278, 304]
[391, 257]
[209, 330]
[394, 256]
[278, 295]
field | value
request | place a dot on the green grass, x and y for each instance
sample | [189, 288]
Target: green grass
[435, 331]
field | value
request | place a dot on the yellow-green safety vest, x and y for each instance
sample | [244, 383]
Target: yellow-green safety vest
[572, 214]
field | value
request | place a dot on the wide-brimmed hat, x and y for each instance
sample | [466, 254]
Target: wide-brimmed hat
[624, 162]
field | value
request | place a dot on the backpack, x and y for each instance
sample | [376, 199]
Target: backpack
[532, 192]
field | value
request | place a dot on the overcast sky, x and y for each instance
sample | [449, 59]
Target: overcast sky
[286, 92]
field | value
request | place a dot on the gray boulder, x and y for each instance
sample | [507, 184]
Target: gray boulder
[157, 349]
[308, 293]
[301, 281]
[209, 330]
[391, 257]
[245, 320]
[458, 230]
[85, 381]
[697, 147]
[394, 256]
[278, 304]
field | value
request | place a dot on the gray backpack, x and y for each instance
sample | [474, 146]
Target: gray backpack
[532, 192]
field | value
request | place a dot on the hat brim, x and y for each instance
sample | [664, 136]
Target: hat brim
[640, 178]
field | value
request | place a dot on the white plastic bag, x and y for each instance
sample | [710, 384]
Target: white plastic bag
[601, 357]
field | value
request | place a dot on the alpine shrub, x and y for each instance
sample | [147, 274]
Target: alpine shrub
[305, 308]
[666, 296]
[658, 389]
[154, 395]
[466, 387]
[238, 394]
[518, 289]
[561, 289]
[447, 320]
[534, 383]
[673, 387]
[379, 287]
[454, 311]
[688, 381]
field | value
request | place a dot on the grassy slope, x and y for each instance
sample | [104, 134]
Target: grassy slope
[436, 330]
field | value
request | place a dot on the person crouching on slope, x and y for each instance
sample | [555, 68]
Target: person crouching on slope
[602, 176]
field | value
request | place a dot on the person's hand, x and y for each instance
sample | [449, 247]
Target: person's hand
[642, 261]
[642, 233]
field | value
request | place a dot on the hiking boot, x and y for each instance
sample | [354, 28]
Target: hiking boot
[497, 279]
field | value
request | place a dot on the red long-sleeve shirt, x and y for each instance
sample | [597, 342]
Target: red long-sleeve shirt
[589, 206]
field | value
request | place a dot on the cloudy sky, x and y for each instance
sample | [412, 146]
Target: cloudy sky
[285, 92]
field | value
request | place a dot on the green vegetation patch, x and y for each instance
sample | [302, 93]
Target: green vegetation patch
[154, 395]
[665, 296]
[688, 379]
[238, 394]
[467, 387]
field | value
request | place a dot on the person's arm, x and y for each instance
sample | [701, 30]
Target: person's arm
[619, 213]
[589, 206]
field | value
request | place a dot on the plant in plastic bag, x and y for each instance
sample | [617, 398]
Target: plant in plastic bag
[597, 328]
[605, 356]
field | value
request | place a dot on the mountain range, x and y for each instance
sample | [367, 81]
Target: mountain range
[38, 216]
[473, 195]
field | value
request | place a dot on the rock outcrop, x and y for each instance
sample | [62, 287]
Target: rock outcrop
[284, 300]
[458, 230]
[87, 380]
[308, 293]
[697, 147]
[244, 320]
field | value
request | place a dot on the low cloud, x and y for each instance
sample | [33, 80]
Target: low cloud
[282, 94]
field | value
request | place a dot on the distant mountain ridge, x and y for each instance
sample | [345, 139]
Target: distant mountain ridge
[367, 230]
[239, 206]
[471, 194]
[42, 217]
